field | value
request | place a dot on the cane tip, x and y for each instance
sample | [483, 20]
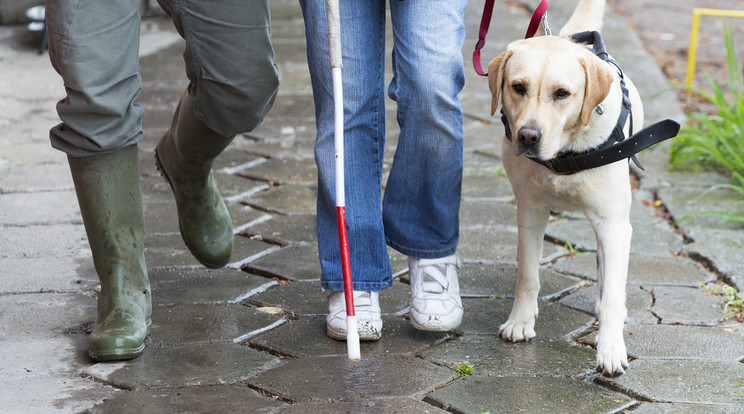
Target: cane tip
[352, 340]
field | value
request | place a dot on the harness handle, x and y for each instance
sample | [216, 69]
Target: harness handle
[540, 11]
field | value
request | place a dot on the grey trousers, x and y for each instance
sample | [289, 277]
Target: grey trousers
[94, 46]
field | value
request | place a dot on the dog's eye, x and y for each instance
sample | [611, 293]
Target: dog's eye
[519, 88]
[561, 94]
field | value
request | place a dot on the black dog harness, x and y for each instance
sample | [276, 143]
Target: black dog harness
[616, 147]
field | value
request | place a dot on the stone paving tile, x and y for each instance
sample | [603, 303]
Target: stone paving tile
[477, 185]
[336, 379]
[234, 188]
[180, 324]
[370, 406]
[485, 316]
[488, 215]
[684, 381]
[283, 171]
[306, 298]
[233, 157]
[526, 394]
[307, 337]
[685, 201]
[54, 207]
[655, 239]
[496, 245]
[204, 286]
[195, 399]
[657, 270]
[169, 251]
[51, 394]
[485, 280]
[35, 275]
[663, 408]
[721, 247]
[490, 355]
[285, 199]
[638, 302]
[162, 218]
[689, 306]
[284, 230]
[683, 342]
[295, 262]
[191, 365]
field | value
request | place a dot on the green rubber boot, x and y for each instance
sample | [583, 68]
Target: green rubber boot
[110, 198]
[184, 157]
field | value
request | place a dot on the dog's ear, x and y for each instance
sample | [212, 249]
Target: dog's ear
[496, 78]
[598, 82]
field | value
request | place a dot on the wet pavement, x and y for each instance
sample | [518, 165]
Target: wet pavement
[251, 337]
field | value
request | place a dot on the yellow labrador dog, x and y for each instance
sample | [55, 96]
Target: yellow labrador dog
[559, 97]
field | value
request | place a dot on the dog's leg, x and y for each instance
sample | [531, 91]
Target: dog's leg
[531, 220]
[613, 249]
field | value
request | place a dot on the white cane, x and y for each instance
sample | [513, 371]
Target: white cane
[334, 48]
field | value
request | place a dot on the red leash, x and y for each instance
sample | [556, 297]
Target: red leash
[540, 11]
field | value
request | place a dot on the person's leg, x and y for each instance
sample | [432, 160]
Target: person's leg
[422, 196]
[94, 46]
[363, 49]
[230, 63]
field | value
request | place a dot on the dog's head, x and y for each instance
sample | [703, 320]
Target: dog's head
[549, 87]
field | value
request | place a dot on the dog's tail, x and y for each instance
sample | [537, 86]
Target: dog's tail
[586, 17]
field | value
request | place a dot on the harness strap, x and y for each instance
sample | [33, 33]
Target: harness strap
[540, 11]
[571, 163]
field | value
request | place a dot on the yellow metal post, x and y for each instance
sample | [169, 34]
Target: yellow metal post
[692, 51]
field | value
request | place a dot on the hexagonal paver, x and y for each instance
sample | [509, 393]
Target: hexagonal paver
[683, 342]
[489, 355]
[162, 367]
[181, 324]
[478, 394]
[485, 280]
[295, 262]
[307, 336]
[337, 379]
[306, 298]
[206, 286]
[687, 381]
[485, 316]
[206, 398]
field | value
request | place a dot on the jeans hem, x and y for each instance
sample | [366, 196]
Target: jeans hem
[361, 286]
[422, 254]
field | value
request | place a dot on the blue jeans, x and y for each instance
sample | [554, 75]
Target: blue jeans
[419, 213]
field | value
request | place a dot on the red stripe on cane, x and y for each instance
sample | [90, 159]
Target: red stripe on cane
[345, 263]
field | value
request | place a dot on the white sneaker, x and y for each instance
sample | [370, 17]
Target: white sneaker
[435, 293]
[367, 309]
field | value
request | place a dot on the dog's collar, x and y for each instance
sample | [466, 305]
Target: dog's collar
[609, 151]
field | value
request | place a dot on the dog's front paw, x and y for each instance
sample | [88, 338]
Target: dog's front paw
[517, 331]
[612, 359]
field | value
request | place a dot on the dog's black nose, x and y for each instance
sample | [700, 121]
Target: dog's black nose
[529, 136]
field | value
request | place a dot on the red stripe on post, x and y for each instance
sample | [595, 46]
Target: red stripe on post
[345, 263]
